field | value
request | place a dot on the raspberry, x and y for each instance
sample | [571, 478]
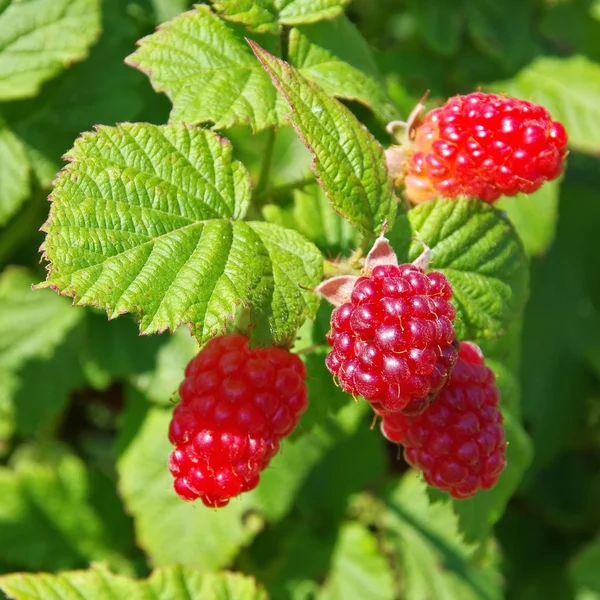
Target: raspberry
[481, 146]
[459, 441]
[392, 332]
[236, 405]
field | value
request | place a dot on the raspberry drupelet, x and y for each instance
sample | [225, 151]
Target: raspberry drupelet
[482, 146]
[459, 441]
[237, 403]
[391, 332]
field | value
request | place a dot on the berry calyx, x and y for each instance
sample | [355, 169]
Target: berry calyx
[459, 441]
[481, 146]
[391, 332]
[237, 403]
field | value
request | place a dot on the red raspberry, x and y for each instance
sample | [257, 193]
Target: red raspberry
[459, 441]
[392, 333]
[236, 405]
[482, 146]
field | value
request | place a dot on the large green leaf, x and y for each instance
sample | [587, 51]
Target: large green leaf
[534, 216]
[348, 161]
[47, 516]
[433, 561]
[358, 568]
[100, 90]
[476, 248]
[334, 55]
[144, 205]
[570, 89]
[40, 38]
[263, 16]
[173, 583]
[208, 73]
[15, 173]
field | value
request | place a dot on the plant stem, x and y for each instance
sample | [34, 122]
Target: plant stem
[261, 197]
[262, 186]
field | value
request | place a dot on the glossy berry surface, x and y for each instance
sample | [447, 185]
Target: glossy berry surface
[459, 441]
[392, 339]
[236, 405]
[484, 146]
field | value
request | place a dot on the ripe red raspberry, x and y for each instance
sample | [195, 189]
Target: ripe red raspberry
[392, 333]
[459, 441]
[481, 146]
[236, 405]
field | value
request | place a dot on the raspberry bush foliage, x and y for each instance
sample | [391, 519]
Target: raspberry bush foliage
[348, 255]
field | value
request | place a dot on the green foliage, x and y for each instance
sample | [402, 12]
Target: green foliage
[191, 230]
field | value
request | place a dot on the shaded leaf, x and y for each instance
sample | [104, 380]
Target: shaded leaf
[40, 38]
[15, 173]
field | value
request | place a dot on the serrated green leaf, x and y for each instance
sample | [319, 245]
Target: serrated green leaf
[434, 562]
[477, 515]
[14, 173]
[46, 517]
[265, 16]
[334, 55]
[358, 568]
[534, 216]
[570, 89]
[348, 161]
[141, 203]
[173, 583]
[259, 16]
[40, 38]
[208, 73]
[440, 24]
[300, 12]
[475, 246]
[206, 539]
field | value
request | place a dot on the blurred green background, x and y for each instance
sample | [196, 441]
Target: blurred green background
[84, 403]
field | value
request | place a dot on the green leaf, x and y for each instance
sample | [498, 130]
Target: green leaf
[314, 218]
[32, 324]
[334, 55]
[433, 561]
[206, 539]
[264, 16]
[534, 216]
[348, 162]
[477, 515]
[440, 24]
[570, 89]
[100, 90]
[40, 38]
[584, 568]
[142, 203]
[259, 16]
[208, 73]
[46, 517]
[358, 568]
[14, 173]
[479, 252]
[173, 583]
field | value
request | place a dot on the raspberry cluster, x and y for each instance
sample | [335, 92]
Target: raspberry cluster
[459, 441]
[482, 146]
[392, 338]
[236, 405]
